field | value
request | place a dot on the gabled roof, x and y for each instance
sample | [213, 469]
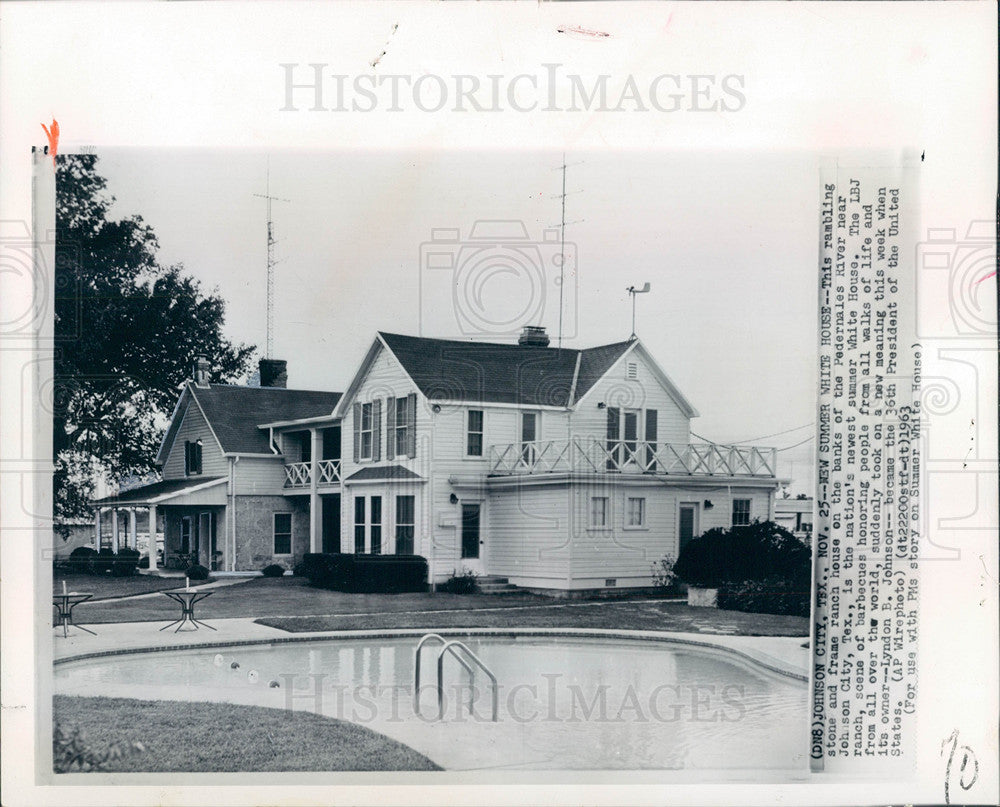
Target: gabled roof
[235, 413]
[487, 372]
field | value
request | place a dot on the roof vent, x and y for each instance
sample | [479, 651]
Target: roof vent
[533, 336]
[273, 373]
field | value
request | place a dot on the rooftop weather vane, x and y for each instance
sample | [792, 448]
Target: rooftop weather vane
[270, 263]
[634, 291]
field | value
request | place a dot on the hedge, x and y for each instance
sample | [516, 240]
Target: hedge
[384, 574]
[765, 597]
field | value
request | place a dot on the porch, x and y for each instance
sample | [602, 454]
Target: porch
[589, 455]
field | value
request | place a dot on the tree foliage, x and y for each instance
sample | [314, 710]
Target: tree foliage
[127, 332]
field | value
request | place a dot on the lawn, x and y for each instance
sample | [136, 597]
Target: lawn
[289, 603]
[661, 615]
[219, 737]
[104, 586]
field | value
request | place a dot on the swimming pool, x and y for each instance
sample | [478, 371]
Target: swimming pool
[563, 703]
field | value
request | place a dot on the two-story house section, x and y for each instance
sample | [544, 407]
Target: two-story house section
[224, 498]
[559, 469]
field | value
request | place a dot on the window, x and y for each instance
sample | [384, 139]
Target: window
[400, 424]
[375, 528]
[529, 434]
[359, 525]
[185, 535]
[192, 458]
[599, 511]
[404, 525]
[282, 533]
[474, 434]
[741, 512]
[367, 431]
[401, 427]
[636, 513]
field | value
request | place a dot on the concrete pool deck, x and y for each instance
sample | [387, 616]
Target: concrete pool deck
[782, 654]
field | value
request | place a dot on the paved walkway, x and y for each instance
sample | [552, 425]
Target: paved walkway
[783, 654]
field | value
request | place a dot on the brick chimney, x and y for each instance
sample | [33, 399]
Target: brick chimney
[533, 336]
[202, 372]
[273, 373]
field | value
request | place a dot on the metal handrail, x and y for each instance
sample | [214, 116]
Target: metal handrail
[450, 648]
[416, 669]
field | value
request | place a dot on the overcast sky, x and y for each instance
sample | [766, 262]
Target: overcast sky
[728, 242]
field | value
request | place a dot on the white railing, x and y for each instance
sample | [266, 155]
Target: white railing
[329, 472]
[589, 455]
[299, 474]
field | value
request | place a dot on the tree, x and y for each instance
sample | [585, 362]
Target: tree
[127, 333]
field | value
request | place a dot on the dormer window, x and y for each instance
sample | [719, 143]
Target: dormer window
[192, 458]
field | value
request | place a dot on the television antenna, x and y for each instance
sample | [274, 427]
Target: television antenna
[562, 239]
[269, 352]
[632, 290]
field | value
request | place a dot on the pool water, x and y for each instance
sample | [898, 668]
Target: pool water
[562, 703]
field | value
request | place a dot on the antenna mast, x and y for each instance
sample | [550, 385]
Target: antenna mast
[562, 242]
[270, 263]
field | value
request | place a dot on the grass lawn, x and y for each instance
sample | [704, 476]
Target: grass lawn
[104, 585]
[662, 615]
[179, 736]
[291, 604]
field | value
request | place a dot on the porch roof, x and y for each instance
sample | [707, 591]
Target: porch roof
[163, 491]
[380, 473]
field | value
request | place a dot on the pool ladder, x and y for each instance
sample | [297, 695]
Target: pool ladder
[453, 648]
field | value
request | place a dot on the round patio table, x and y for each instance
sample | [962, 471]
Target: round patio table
[187, 599]
[64, 604]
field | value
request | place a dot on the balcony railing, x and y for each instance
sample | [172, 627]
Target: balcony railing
[589, 455]
[299, 474]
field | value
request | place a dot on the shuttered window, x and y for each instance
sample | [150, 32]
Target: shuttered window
[367, 431]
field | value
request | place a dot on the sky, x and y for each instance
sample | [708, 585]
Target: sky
[727, 241]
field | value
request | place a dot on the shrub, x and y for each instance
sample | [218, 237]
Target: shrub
[386, 574]
[765, 597]
[71, 753]
[300, 569]
[144, 562]
[464, 583]
[197, 572]
[125, 562]
[274, 570]
[663, 573]
[103, 561]
[79, 559]
[757, 552]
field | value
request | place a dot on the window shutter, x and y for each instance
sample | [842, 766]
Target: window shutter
[411, 425]
[651, 439]
[357, 432]
[390, 428]
[377, 430]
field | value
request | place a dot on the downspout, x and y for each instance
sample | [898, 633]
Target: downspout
[232, 510]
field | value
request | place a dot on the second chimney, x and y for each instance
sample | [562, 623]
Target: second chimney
[533, 336]
[273, 373]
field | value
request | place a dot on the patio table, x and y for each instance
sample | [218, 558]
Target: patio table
[64, 604]
[187, 599]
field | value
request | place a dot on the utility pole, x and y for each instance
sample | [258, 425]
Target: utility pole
[269, 354]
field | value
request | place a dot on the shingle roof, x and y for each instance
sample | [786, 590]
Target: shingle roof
[380, 472]
[235, 412]
[156, 489]
[446, 369]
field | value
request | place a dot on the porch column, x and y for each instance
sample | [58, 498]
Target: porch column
[315, 511]
[114, 529]
[132, 539]
[152, 537]
[97, 530]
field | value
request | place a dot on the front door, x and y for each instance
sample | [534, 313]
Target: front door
[472, 541]
[687, 527]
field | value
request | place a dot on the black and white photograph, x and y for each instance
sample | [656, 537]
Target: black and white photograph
[489, 403]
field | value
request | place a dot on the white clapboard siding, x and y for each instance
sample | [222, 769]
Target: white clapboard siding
[194, 427]
[529, 533]
[259, 476]
[642, 392]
